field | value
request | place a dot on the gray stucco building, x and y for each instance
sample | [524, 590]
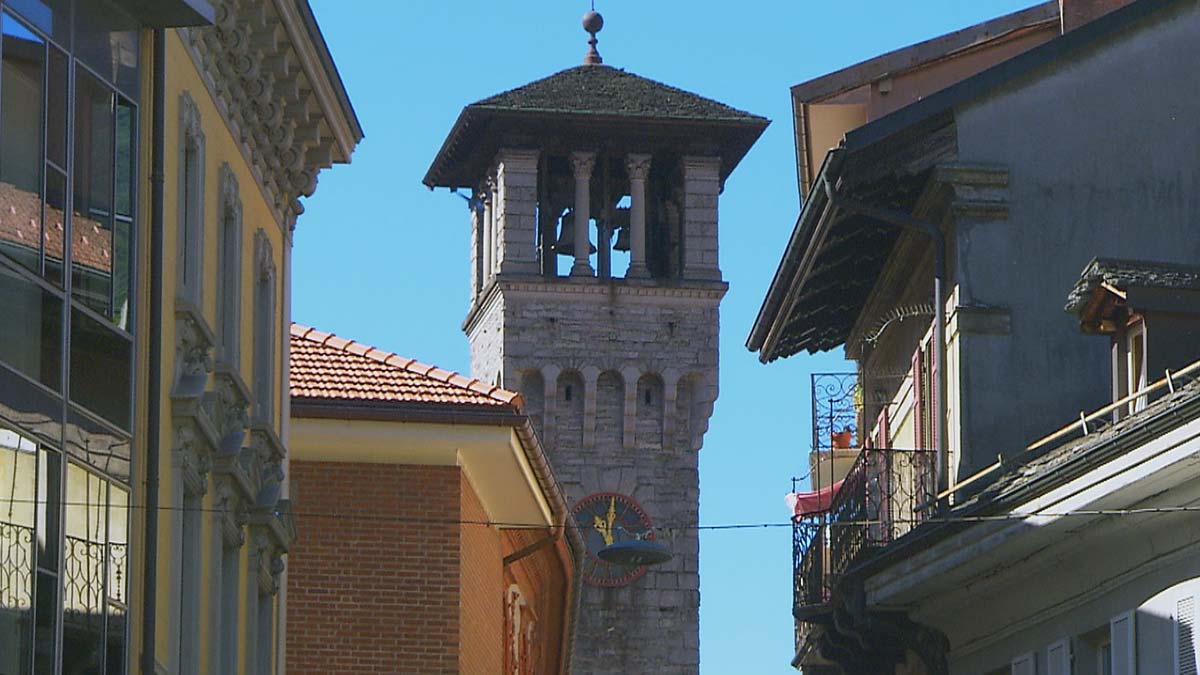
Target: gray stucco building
[1035, 538]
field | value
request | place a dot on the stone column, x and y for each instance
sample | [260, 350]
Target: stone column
[701, 188]
[515, 227]
[638, 167]
[476, 249]
[582, 163]
[489, 230]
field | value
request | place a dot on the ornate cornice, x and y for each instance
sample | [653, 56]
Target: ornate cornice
[267, 473]
[591, 288]
[232, 513]
[194, 343]
[255, 70]
[193, 458]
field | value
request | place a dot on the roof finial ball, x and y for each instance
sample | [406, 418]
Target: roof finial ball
[593, 23]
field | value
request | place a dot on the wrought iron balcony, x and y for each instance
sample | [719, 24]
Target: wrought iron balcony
[886, 493]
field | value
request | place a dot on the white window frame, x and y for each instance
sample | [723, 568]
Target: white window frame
[1140, 379]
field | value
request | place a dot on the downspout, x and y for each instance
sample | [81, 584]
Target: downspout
[907, 221]
[154, 394]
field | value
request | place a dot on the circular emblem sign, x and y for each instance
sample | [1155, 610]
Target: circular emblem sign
[606, 518]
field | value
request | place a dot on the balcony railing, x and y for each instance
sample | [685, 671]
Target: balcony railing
[886, 493]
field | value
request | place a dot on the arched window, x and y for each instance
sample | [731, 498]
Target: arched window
[568, 410]
[610, 410]
[649, 411]
[533, 390]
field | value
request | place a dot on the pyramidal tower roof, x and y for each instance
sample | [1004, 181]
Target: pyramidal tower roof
[594, 102]
[607, 91]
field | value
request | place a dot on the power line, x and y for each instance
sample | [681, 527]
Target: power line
[411, 520]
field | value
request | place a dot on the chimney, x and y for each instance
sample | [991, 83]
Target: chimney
[1075, 13]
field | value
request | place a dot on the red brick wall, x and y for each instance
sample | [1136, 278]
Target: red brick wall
[482, 583]
[375, 593]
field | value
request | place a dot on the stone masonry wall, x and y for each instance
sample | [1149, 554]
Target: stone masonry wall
[606, 338]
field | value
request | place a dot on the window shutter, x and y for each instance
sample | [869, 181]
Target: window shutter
[1024, 665]
[1058, 658]
[1185, 636]
[1121, 632]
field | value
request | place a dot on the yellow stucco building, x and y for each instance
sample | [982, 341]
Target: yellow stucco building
[152, 158]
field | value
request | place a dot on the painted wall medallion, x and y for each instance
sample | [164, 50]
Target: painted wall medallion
[605, 518]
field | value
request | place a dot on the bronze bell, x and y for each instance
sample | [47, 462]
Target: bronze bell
[620, 223]
[622, 243]
[566, 237]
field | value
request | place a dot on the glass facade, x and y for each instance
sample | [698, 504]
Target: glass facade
[69, 91]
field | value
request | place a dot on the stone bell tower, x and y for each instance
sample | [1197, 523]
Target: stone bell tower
[615, 349]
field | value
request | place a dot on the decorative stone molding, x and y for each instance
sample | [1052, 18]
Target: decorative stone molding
[267, 472]
[232, 513]
[193, 458]
[979, 191]
[194, 342]
[264, 256]
[254, 67]
[228, 406]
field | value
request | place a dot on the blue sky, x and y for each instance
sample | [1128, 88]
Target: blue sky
[380, 259]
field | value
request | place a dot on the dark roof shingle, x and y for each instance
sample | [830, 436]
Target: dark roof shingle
[604, 90]
[1125, 274]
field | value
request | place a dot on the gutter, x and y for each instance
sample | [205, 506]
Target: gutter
[388, 411]
[154, 415]
[541, 468]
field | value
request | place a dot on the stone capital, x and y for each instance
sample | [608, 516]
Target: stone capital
[638, 166]
[582, 163]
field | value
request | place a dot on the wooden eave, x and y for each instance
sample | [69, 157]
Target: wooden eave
[480, 132]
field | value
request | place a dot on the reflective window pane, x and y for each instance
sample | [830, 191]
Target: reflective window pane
[56, 117]
[18, 485]
[22, 74]
[52, 16]
[54, 231]
[100, 369]
[96, 445]
[45, 623]
[31, 332]
[122, 233]
[91, 222]
[106, 40]
[83, 570]
[116, 639]
[118, 543]
[49, 511]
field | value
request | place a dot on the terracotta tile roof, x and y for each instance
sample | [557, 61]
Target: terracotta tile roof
[330, 368]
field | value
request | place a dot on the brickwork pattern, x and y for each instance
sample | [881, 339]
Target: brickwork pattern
[482, 582]
[374, 595]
